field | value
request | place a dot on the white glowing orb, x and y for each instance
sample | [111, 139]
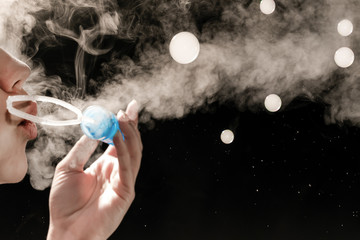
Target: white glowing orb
[273, 103]
[345, 27]
[267, 6]
[344, 57]
[227, 136]
[184, 47]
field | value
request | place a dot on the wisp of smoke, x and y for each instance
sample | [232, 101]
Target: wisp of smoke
[116, 51]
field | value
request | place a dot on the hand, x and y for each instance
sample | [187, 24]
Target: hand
[91, 203]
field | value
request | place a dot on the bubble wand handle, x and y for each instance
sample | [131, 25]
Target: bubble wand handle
[100, 124]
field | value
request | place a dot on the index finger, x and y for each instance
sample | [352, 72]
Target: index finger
[78, 155]
[132, 110]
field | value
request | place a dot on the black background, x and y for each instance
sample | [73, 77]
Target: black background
[286, 176]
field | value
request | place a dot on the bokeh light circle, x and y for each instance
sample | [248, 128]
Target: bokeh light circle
[273, 103]
[344, 57]
[267, 6]
[345, 27]
[184, 47]
[227, 136]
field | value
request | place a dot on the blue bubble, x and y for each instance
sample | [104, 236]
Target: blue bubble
[100, 124]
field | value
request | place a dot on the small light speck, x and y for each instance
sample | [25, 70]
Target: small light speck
[356, 214]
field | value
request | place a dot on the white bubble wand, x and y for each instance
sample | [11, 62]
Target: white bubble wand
[96, 122]
[37, 119]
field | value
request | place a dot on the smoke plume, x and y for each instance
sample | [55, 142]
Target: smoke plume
[109, 52]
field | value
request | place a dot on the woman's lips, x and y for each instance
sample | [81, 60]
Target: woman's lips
[29, 128]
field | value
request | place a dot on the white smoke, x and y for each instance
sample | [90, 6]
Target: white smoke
[245, 56]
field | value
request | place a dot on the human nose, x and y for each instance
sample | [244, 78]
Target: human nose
[13, 73]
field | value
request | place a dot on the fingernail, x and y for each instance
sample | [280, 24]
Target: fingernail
[121, 115]
[133, 107]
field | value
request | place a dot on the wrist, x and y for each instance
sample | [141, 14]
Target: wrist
[58, 233]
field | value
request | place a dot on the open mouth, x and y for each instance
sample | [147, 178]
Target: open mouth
[24, 122]
[29, 129]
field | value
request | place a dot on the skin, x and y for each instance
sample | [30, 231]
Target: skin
[13, 74]
[102, 193]
[84, 204]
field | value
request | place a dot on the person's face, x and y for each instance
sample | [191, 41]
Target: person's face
[14, 132]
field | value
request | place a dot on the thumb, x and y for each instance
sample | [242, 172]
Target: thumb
[77, 157]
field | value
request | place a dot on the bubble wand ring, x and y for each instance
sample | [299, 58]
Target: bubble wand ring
[96, 122]
[36, 119]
